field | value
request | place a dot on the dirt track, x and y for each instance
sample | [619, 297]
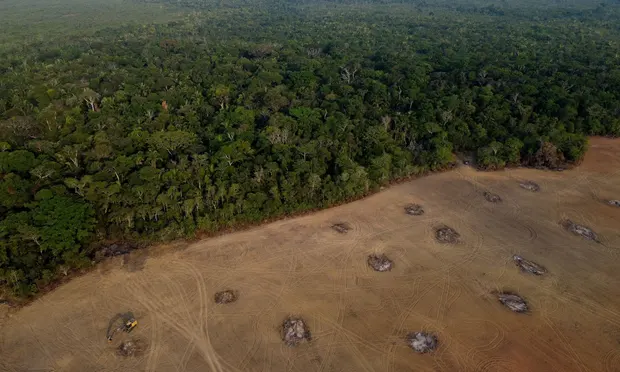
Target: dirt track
[360, 318]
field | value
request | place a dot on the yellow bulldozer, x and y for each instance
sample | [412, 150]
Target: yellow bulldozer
[122, 322]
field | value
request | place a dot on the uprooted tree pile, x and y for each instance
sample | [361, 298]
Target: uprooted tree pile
[295, 331]
[226, 297]
[530, 185]
[341, 227]
[529, 266]
[414, 210]
[491, 197]
[131, 348]
[422, 342]
[513, 302]
[380, 263]
[446, 234]
[580, 230]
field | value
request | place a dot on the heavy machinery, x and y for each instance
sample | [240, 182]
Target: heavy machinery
[127, 323]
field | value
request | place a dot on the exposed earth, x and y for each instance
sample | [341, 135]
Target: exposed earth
[360, 319]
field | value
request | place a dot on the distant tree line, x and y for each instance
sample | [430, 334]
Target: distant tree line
[237, 115]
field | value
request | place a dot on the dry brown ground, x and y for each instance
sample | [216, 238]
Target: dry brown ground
[359, 318]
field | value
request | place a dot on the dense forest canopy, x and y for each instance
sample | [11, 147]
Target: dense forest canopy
[155, 119]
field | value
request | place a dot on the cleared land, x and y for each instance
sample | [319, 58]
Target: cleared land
[359, 318]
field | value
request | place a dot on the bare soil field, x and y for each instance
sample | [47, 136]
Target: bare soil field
[361, 319]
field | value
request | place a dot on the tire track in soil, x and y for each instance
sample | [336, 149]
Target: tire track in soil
[399, 256]
[155, 348]
[611, 361]
[399, 322]
[582, 180]
[383, 219]
[321, 266]
[438, 251]
[288, 358]
[329, 259]
[287, 280]
[199, 339]
[500, 207]
[256, 342]
[583, 220]
[578, 179]
[62, 335]
[6, 367]
[504, 269]
[516, 177]
[476, 246]
[174, 286]
[284, 285]
[522, 220]
[462, 360]
[443, 351]
[257, 338]
[320, 316]
[477, 199]
[62, 340]
[602, 244]
[532, 234]
[155, 320]
[341, 311]
[607, 179]
[327, 234]
[185, 357]
[440, 324]
[586, 305]
[594, 191]
[443, 297]
[268, 367]
[353, 337]
[421, 222]
[497, 364]
[546, 310]
[44, 350]
[90, 348]
[403, 316]
[516, 211]
[393, 296]
[204, 300]
[360, 358]
[498, 338]
[466, 197]
[101, 311]
[439, 357]
[257, 269]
